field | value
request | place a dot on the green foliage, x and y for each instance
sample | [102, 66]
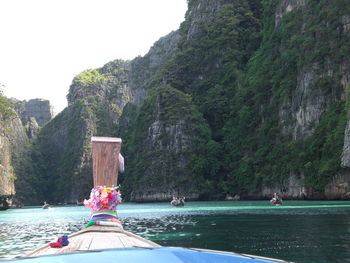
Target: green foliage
[55, 154]
[6, 108]
[321, 153]
[259, 151]
[240, 76]
[61, 164]
[210, 62]
[25, 182]
[89, 78]
[159, 162]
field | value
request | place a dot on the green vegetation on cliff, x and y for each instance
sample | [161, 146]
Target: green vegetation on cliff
[245, 100]
[262, 143]
[89, 78]
[61, 163]
[6, 108]
[209, 63]
[250, 92]
[170, 146]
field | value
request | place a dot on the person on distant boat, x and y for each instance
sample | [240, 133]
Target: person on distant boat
[45, 206]
[121, 163]
[178, 201]
[175, 201]
[182, 201]
[276, 200]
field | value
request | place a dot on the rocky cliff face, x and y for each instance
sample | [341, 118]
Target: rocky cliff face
[39, 109]
[96, 100]
[169, 143]
[306, 106]
[143, 69]
[198, 12]
[286, 6]
[65, 166]
[310, 99]
[13, 139]
[164, 145]
[293, 188]
[108, 84]
[345, 82]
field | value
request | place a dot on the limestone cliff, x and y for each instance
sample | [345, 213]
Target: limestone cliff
[61, 155]
[34, 114]
[286, 6]
[167, 133]
[319, 84]
[197, 14]
[63, 148]
[39, 109]
[13, 140]
[144, 69]
[96, 103]
[143, 72]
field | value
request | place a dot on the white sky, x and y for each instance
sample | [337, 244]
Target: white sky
[45, 43]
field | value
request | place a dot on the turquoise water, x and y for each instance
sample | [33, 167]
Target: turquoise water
[299, 231]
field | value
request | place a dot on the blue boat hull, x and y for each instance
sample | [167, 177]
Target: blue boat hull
[149, 255]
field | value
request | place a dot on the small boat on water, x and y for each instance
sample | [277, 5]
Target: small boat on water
[45, 206]
[179, 202]
[276, 200]
[104, 238]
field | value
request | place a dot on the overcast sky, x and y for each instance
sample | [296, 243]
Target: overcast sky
[45, 43]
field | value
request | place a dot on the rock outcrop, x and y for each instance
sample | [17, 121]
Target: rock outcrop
[143, 69]
[306, 106]
[338, 187]
[197, 14]
[39, 109]
[67, 157]
[13, 140]
[319, 85]
[165, 145]
[95, 102]
[286, 6]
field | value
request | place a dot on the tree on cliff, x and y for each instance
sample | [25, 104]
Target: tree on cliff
[6, 108]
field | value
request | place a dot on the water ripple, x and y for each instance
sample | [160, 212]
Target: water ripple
[299, 231]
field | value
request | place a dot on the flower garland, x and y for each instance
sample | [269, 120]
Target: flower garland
[103, 199]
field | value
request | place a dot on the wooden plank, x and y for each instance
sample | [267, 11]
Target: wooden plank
[127, 242]
[105, 241]
[105, 153]
[137, 241]
[97, 237]
[81, 242]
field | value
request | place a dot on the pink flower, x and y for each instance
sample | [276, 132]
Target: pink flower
[102, 198]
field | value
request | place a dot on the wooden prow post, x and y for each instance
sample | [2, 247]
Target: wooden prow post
[105, 153]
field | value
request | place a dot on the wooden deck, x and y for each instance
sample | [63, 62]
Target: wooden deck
[95, 238]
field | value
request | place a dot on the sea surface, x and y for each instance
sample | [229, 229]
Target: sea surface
[298, 231]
